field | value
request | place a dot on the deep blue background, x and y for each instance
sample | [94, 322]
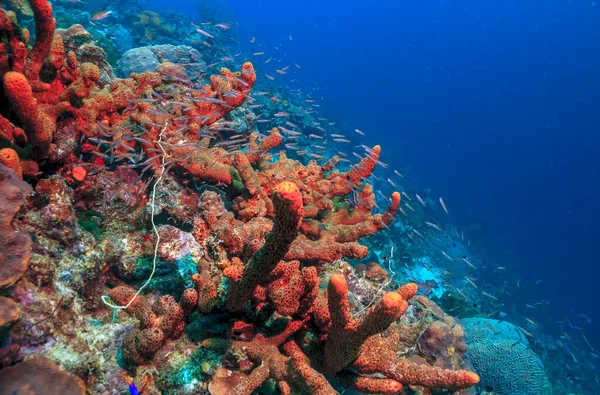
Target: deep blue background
[494, 105]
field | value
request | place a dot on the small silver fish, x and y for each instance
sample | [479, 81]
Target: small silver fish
[444, 206]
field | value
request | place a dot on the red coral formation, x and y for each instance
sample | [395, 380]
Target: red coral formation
[79, 173]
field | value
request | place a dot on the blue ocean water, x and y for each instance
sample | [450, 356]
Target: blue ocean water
[492, 105]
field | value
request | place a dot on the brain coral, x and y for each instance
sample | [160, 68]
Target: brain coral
[479, 332]
[504, 360]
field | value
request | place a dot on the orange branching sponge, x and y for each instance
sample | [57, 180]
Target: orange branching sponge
[366, 166]
[207, 291]
[408, 290]
[7, 130]
[139, 308]
[331, 228]
[44, 32]
[256, 152]
[378, 355]
[292, 290]
[206, 168]
[293, 372]
[30, 168]
[189, 300]
[140, 345]
[325, 249]
[287, 202]
[249, 177]
[38, 126]
[346, 335]
[373, 385]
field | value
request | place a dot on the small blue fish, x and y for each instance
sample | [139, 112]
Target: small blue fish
[425, 289]
[132, 388]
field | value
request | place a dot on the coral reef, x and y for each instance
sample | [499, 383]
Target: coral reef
[45, 96]
[159, 195]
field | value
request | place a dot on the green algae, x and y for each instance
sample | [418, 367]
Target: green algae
[454, 302]
[236, 180]
[170, 278]
[190, 373]
[92, 222]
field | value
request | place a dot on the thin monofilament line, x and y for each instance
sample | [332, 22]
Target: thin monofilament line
[152, 213]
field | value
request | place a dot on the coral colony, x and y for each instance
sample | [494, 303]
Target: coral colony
[151, 250]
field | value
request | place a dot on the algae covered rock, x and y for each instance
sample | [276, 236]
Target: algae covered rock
[9, 311]
[39, 376]
[136, 60]
[15, 247]
[503, 359]
[82, 43]
[139, 60]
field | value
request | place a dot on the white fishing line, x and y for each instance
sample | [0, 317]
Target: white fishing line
[154, 228]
